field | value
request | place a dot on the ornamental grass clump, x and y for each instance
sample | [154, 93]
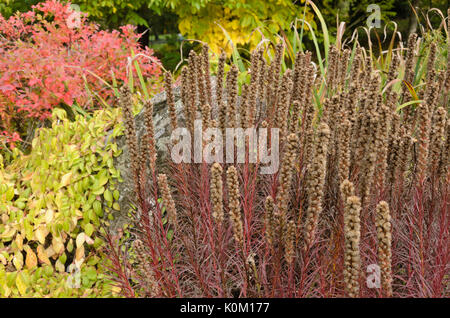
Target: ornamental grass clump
[362, 180]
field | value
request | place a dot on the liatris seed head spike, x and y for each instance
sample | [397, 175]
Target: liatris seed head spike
[298, 69]
[343, 151]
[394, 147]
[355, 70]
[232, 94]
[150, 285]
[234, 207]
[347, 190]
[447, 76]
[308, 133]
[206, 115]
[168, 201]
[285, 176]
[184, 85]
[206, 73]
[315, 183]
[384, 235]
[352, 259]
[290, 242]
[382, 144]
[220, 77]
[431, 72]
[437, 136]
[274, 81]
[343, 63]
[423, 140]
[254, 87]
[262, 77]
[393, 68]
[282, 110]
[223, 109]
[368, 141]
[445, 153]
[409, 65]
[170, 100]
[126, 103]
[332, 67]
[186, 94]
[201, 81]
[244, 106]
[216, 192]
[294, 118]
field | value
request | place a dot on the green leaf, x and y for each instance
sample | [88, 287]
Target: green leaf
[108, 196]
[97, 206]
[91, 273]
[89, 229]
[98, 191]
[10, 194]
[409, 103]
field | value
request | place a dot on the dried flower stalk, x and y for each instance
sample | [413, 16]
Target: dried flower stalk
[383, 224]
[352, 259]
[234, 205]
[315, 183]
[216, 192]
[168, 201]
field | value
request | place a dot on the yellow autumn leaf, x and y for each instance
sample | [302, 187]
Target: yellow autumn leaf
[65, 180]
[79, 254]
[9, 233]
[80, 239]
[21, 285]
[59, 266]
[41, 233]
[18, 261]
[116, 290]
[49, 216]
[19, 242]
[50, 251]
[42, 255]
[7, 291]
[58, 245]
[31, 259]
[28, 176]
[3, 259]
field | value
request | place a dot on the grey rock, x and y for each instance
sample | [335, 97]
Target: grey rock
[161, 122]
[162, 136]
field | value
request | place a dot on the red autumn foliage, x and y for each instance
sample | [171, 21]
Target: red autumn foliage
[51, 55]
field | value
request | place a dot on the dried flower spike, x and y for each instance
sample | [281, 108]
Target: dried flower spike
[383, 224]
[168, 201]
[216, 192]
[234, 205]
[352, 259]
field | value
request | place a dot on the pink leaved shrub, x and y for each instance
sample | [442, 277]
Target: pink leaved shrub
[53, 56]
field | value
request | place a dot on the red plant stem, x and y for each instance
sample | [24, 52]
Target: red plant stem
[419, 212]
[188, 191]
[118, 269]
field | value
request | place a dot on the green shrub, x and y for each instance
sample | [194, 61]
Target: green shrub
[52, 207]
